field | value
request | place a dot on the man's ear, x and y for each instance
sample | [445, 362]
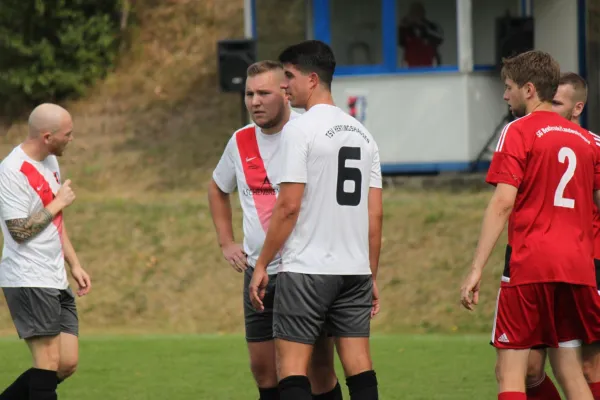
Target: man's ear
[314, 80]
[578, 109]
[46, 136]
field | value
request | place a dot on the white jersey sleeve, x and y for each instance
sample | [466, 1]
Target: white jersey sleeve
[294, 155]
[224, 173]
[15, 197]
[375, 169]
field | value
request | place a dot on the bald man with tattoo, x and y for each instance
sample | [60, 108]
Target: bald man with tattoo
[36, 245]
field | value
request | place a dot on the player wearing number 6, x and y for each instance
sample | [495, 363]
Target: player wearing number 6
[546, 170]
[327, 221]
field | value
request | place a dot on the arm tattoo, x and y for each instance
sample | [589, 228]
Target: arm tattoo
[23, 229]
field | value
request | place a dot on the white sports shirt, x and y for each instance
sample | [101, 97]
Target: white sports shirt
[26, 187]
[338, 160]
[249, 163]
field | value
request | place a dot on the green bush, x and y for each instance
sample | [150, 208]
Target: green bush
[51, 50]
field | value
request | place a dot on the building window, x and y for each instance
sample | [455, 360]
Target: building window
[485, 13]
[427, 34]
[356, 32]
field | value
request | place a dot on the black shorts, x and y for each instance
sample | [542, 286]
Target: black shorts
[42, 311]
[307, 304]
[259, 324]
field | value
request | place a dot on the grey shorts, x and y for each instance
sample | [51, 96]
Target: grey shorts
[42, 311]
[307, 304]
[259, 325]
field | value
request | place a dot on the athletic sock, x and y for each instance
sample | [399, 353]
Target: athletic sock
[42, 384]
[295, 387]
[19, 390]
[512, 396]
[595, 388]
[269, 393]
[544, 390]
[363, 386]
[334, 394]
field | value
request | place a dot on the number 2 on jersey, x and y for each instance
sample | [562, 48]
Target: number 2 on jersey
[568, 155]
[348, 174]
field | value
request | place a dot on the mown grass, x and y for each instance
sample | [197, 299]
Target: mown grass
[421, 367]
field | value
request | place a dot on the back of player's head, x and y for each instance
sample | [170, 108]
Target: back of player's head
[46, 118]
[536, 67]
[311, 56]
[261, 67]
[577, 82]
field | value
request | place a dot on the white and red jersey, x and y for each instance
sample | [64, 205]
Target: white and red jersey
[249, 163]
[555, 165]
[337, 159]
[26, 187]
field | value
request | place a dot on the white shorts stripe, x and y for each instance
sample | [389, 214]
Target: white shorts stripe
[570, 344]
[495, 317]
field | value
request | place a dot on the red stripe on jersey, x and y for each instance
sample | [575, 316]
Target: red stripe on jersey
[256, 175]
[39, 185]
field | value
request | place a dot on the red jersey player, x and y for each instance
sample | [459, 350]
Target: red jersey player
[545, 170]
[569, 101]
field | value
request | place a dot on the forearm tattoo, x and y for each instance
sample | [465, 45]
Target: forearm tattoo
[23, 229]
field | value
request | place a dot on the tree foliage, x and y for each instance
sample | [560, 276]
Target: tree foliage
[53, 49]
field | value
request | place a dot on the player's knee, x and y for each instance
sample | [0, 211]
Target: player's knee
[500, 372]
[591, 362]
[66, 369]
[535, 373]
[591, 370]
[322, 375]
[264, 371]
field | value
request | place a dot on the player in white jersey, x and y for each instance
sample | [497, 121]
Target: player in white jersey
[250, 164]
[36, 244]
[327, 223]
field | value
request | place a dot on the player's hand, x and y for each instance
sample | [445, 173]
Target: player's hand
[235, 256]
[258, 287]
[376, 306]
[84, 283]
[65, 194]
[471, 285]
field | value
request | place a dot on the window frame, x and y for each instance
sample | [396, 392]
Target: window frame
[321, 22]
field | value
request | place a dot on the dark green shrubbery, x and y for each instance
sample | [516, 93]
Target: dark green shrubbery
[53, 49]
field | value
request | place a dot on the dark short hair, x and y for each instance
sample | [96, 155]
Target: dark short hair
[311, 56]
[578, 83]
[263, 66]
[536, 67]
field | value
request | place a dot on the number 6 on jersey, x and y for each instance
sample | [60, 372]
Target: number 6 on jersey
[348, 174]
[568, 155]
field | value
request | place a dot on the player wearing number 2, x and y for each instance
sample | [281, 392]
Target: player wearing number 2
[328, 219]
[546, 170]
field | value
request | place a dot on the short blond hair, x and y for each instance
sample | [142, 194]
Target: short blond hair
[264, 66]
[579, 85]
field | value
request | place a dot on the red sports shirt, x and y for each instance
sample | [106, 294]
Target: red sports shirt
[596, 224]
[555, 164]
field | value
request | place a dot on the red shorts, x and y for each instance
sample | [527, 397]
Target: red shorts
[546, 315]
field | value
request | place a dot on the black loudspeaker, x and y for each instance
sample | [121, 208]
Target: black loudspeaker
[513, 36]
[234, 58]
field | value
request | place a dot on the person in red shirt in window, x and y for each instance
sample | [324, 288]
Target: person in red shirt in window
[546, 170]
[420, 38]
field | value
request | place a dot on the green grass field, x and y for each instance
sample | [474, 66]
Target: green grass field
[410, 367]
